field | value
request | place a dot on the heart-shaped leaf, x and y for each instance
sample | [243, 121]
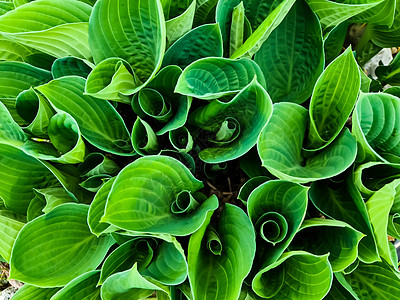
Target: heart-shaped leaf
[55, 248]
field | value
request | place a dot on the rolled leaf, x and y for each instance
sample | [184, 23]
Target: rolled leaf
[248, 123]
[146, 201]
[276, 209]
[227, 267]
[67, 66]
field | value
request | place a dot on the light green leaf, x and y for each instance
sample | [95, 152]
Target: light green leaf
[59, 31]
[342, 201]
[95, 182]
[98, 121]
[130, 285]
[200, 42]
[178, 26]
[324, 236]
[10, 225]
[143, 204]
[131, 30]
[374, 281]
[296, 275]
[292, 68]
[280, 148]
[376, 127]
[333, 100]
[96, 209]
[261, 34]
[379, 207]
[112, 79]
[220, 276]
[10, 132]
[20, 173]
[385, 36]
[219, 77]
[332, 13]
[32, 292]
[276, 209]
[237, 28]
[55, 248]
[83, 287]
[248, 122]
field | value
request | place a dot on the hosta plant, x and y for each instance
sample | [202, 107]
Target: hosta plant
[199, 149]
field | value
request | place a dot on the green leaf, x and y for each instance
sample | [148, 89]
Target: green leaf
[280, 148]
[10, 132]
[144, 139]
[332, 13]
[138, 251]
[95, 182]
[250, 186]
[53, 197]
[261, 34]
[9, 228]
[375, 126]
[112, 78]
[58, 29]
[131, 30]
[164, 83]
[374, 281]
[67, 66]
[205, 12]
[237, 28]
[55, 248]
[96, 209]
[291, 69]
[324, 236]
[342, 201]
[36, 111]
[296, 275]
[16, 77]
[98, 121]
[276, 209]
[96, 163]
[340, 289]
[334, 41]
[249, 122]
[178, 26]
[220, 276]
[32, 292]
[333, 100]
[379, 207]
[83, 287]
[385, 36]
[219, 77]
[20, 173]
[200, 42]
[181, 139]
[130, 285]
[143, 204]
